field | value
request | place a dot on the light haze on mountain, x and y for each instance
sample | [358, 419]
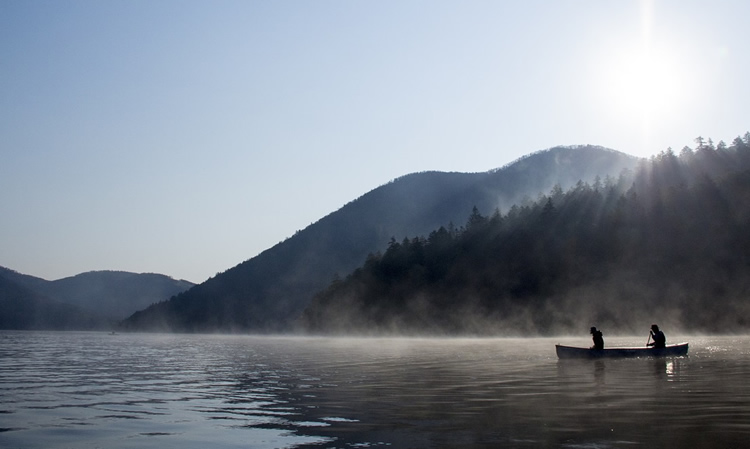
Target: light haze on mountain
[268, 293]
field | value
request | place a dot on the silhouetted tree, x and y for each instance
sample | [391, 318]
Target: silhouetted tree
[670, 241]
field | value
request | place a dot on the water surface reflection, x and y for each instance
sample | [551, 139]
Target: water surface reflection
[133, 390]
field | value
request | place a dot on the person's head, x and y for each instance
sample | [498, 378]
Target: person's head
[593, 329]
[655, 328]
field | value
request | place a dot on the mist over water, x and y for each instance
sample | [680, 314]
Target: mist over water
[90, 390]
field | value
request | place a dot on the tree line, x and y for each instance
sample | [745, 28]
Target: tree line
[667, 242]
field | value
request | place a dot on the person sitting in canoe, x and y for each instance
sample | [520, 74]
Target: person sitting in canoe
[598, 338]
[660, 340]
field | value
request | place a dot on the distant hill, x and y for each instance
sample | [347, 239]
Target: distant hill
[269, 292]
[99, 298]
[23, 309]
[669, 243]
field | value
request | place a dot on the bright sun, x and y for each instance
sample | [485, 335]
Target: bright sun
[642, 81]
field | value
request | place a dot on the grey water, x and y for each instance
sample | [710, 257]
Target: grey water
[96, 390]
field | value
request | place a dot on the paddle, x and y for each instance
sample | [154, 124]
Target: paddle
[649, 339]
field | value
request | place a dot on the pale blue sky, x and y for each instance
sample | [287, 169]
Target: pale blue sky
[183, 137]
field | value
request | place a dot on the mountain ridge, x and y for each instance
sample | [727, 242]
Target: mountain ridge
[268, 292]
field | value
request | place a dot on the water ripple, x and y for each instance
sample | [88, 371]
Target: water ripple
[142, 391]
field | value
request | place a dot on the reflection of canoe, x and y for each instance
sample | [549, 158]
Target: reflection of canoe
[570, 352]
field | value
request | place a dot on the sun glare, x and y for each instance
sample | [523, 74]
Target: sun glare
[644, 84]
[641, 81]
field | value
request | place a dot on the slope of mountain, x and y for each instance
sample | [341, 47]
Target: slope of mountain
[671, 245]
[101, 296]
[270, 291]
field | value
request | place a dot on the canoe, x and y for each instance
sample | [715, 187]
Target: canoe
[570, 352]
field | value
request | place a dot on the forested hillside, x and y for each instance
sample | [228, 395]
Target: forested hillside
[269, 292]
[667, 243]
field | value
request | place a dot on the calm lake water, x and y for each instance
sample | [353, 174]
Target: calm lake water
[95, 390]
